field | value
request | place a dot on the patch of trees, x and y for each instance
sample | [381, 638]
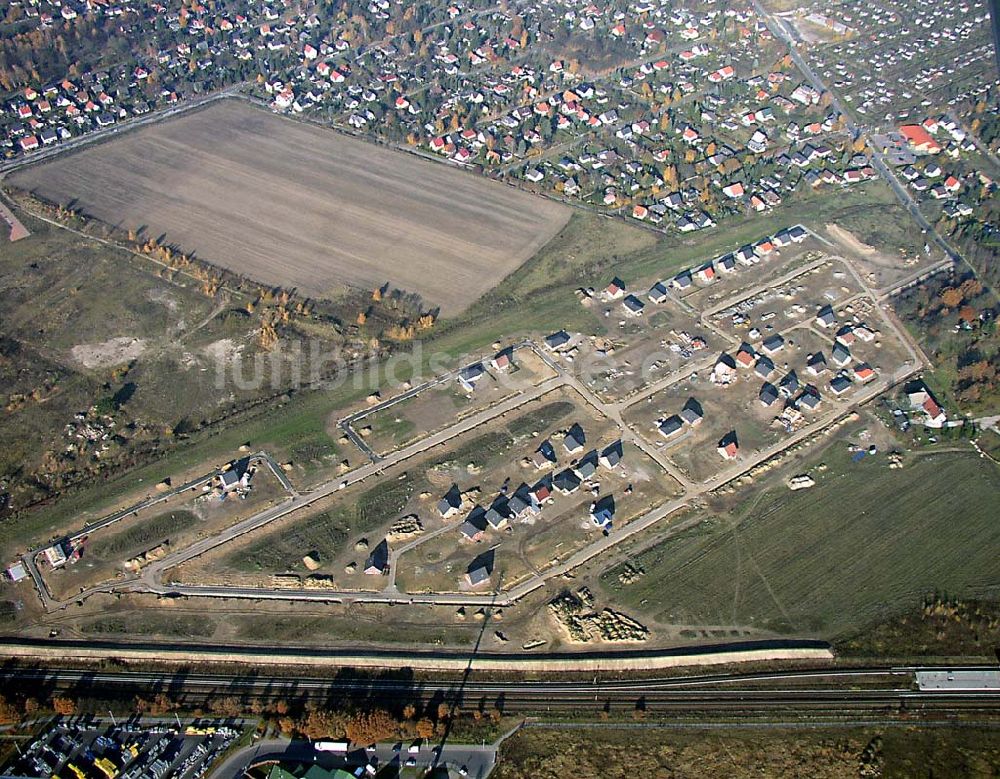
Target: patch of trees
[958, 319]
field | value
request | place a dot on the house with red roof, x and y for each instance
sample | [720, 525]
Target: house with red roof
[919, 139]
[864, 372]
[729, 448]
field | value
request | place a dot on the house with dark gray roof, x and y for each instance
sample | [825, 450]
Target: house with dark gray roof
[633, 306]
[841, 355]
[768, 394]
[574, 439]
[378, 559]
[520, 504]
[498, 514]
[481, 568]
[587, 465]
[825, 317]
[556, 341]
[474, 525]
[809, 398]
[840, 384]
[773, 344]
[612, 455]
[469, 376]
[658, 292]
[789, 385]
[692, 413]
[682, 280]
[566, 481]
[816, 363]
[671, 426]
[544, 456]
[451, 502]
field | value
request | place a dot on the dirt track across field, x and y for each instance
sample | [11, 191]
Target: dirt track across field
[296, 205]
[17, 230]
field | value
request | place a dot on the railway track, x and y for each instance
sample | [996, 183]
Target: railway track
[814, 691]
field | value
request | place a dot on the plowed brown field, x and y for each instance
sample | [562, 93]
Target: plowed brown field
[304, 207]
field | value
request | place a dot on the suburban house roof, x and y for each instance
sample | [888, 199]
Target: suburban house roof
[566, 481]
[612, 454]
[692, 413]
[474, 524]
[574, 439]
[554, 341]
[378, 559]
[481, 568]
[587, 465]
[671, 426]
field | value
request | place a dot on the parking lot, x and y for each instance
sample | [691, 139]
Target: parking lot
[90, 748]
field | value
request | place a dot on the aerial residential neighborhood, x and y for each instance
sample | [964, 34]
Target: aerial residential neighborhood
[457, 388]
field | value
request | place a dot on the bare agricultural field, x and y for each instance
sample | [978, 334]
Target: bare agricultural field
[299, 206]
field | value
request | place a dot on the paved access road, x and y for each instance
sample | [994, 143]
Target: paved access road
[477, 760]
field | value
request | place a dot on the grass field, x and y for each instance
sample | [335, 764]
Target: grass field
[863, 543]
[144, 534]
[368, 624]
[299, 206]
[323, 534]
[148, 623]
[818, 753]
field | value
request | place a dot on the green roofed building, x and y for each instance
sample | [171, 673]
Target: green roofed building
[304, 771]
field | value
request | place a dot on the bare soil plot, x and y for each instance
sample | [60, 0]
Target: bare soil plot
[296, 205]
[743, 279]
[694, 449]
[444, 404]
[640, 350]
[780, 306]
[882, 244]
[737, 407]
[331, 531]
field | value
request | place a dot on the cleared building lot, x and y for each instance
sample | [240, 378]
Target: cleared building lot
[299, 206]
